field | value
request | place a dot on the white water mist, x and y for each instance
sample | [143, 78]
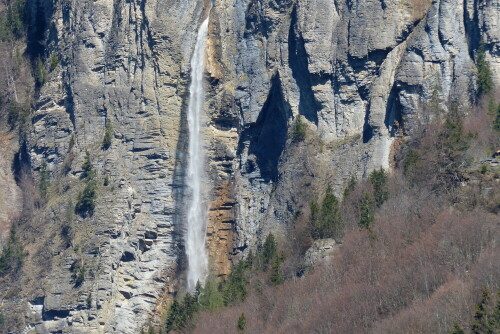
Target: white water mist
[197, 212]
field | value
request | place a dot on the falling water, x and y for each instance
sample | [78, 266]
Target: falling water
[196, 215]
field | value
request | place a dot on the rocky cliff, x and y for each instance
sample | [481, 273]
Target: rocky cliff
[360, 74]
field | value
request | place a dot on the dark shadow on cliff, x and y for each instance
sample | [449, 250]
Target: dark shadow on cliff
[393, 116]
[297, 57]
[179, 185]
[38, 15]
[267, 136]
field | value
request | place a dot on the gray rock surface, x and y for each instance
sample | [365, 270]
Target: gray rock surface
[350, 68]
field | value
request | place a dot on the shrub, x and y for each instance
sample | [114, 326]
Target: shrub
[351, 185]
[41, 73]
[77, 273]
[242, 323]
[299, 130]
[12, 21]
[44, 180]
[86, 199]
[108, 135]
[17, 114]
[54, 61]
[484, 76]
[71, 142]
[456, 329]
[12, 255]
[87, 168]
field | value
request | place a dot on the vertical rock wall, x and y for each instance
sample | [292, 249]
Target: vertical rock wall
[359, 73]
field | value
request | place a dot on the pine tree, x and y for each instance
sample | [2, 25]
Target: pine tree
[351, 185]
[327, 221]
[367, 212]
[276, 276]
[174, 315]
[87, 168]
[330, 212]
[378, 179]
[269, 250]
[480, 324]
[484, 76]
[495, 316]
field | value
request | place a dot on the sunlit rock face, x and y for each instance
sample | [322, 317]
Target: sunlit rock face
[360, 74]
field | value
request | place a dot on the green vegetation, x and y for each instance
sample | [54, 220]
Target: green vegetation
[44, 180]
[367, 211]
[326, 219]
[12, 255]
[495, 109]
[86, 199]
[106, 180]
[1, 320]
[66, 230]
[269, 250]
[456, 329]
[234, 288]
[242, 323]
[71, 142]
[299, 130]
[276, 274]
[351, 185]
[87, 168]
[54, 61]
[108, 136]
[484, 76]
[41, 72]
[416, 270]
[181, 313]
[452, 135]
[77, 273]
[12, 20]
[88, 300]
[378, 179]
[16, 113]
[411, 160]
[486, 319]
[214, 296]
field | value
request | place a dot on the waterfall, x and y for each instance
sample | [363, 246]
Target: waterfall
[197, 212]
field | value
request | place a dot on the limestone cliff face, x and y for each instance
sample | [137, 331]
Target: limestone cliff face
[359, 72]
